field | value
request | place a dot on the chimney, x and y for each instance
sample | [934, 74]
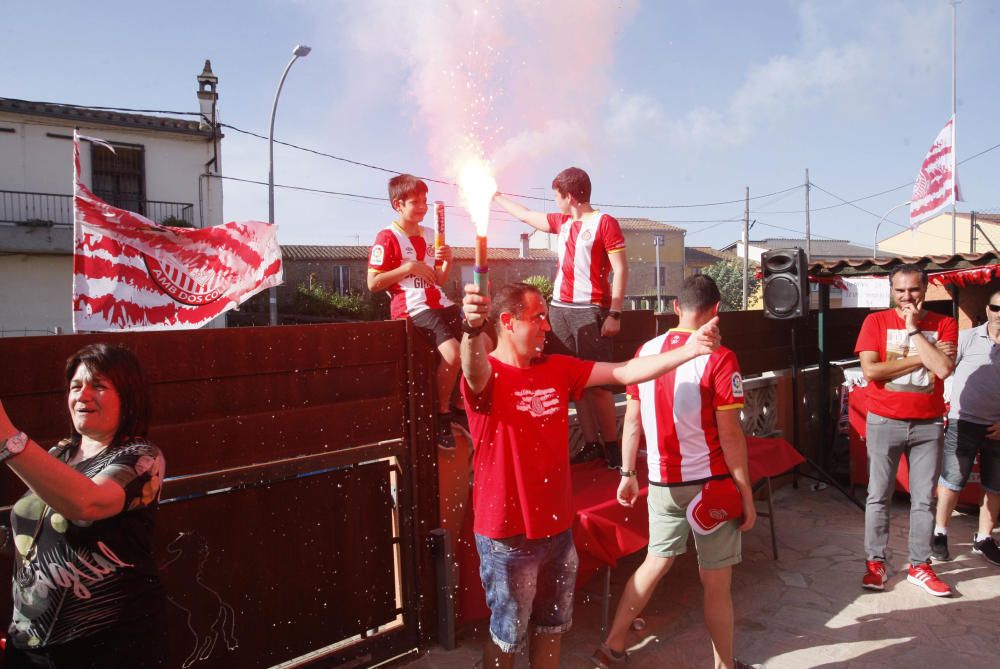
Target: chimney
[524, 246]
[207, 97]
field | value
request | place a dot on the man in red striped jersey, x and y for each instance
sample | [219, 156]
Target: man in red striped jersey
[698, 474]
[586, 308]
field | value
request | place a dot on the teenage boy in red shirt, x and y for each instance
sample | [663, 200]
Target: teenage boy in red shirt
[517, 402]
[586, 308]
[401, 261]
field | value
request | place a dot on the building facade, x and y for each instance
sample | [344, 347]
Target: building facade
[164, 168]
[974, 233]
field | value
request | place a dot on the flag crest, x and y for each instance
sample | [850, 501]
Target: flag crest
[132, 274]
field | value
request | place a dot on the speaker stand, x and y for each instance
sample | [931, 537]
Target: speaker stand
[796, 402]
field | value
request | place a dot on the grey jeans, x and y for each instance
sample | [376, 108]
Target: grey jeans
[888, 439]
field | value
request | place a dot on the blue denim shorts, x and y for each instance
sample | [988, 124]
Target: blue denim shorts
[962, 442]
[527, 580]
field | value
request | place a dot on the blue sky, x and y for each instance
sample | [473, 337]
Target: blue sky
[663, 103]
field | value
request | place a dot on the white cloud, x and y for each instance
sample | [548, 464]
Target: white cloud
[848, 54]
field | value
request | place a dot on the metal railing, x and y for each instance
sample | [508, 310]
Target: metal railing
[48, 209]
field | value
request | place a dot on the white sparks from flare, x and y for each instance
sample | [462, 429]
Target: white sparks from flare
[476, 188]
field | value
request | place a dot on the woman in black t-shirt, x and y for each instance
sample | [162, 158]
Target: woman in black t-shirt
[86, 592]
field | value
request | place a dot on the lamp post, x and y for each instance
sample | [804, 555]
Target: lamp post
[658, 242]
[881, 221]
[300, 51]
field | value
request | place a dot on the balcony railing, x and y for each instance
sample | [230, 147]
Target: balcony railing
[47, 209]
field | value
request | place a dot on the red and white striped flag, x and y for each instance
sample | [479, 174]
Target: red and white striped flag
[130, 273]
[937, 183]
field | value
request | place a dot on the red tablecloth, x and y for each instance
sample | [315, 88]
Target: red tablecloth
[972, 494]
[604, 531]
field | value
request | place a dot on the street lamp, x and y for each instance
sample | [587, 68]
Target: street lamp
[881, 221]
[300, 51]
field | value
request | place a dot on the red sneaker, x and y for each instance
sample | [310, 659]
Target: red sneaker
[874, 578]
[923, 576]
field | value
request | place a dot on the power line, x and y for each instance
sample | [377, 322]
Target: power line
[518, 195]
[908, 184]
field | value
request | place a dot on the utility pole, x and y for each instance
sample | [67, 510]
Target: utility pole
[954, 122]
[658, 242]
[746, 248]
[808, 235]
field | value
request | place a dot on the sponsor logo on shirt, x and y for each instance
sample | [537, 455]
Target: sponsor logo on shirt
[676, 339]
[737, 383]
[538, 403]
[378, 255]
[586, 235]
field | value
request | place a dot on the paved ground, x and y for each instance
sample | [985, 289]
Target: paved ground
[806, 609]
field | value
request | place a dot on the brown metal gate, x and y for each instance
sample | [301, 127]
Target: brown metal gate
[302, 485]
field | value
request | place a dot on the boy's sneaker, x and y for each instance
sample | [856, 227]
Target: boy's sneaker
[458, 417]
[923, 576]
[445, 437]
[605, 658]
[988, 549]
[939, 547]
[874, 578]
[590, 451]
[740, 664]
[613, 455]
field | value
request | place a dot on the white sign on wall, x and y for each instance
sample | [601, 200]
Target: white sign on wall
[868, 291]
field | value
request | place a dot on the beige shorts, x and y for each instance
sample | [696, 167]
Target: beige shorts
[669, 529]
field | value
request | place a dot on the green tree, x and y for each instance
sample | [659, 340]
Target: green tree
[728, 275]
[542, 283]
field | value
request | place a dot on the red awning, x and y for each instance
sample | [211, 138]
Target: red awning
[973, 276]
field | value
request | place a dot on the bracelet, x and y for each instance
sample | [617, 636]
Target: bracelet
[913, 333]
[617, 315]
[470, 330]
[627, 473]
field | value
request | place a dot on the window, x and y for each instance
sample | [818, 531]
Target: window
[341, 279]
[119, 178]
[663, 275]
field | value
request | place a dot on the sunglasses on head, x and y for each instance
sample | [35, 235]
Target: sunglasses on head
[994, 307]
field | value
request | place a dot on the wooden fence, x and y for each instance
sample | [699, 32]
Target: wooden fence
[302, 485]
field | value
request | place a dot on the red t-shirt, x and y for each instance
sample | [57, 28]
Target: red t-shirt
[584, 266]
[678, 412]
[917, 394]
[411, 294]
[520, 428]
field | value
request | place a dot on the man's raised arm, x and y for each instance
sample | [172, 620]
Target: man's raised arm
[638, 370]
[475, 367]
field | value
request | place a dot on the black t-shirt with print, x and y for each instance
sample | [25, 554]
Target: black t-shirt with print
[89, 577]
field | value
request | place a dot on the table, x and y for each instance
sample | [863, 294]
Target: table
[603, 530]
[971, 495]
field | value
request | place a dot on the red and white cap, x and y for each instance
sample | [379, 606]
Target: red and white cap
[719, 501]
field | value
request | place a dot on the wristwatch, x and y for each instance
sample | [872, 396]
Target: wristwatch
[627, 473]
[13, 445]
[913, 333]
[470, 330]
[617, 315]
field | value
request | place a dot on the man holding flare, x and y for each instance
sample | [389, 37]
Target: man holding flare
[517, 401]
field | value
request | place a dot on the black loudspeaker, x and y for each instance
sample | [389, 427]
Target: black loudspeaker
[786, 283]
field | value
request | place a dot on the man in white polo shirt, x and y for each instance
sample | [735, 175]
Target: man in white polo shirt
[973, 428]
[698, 475]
